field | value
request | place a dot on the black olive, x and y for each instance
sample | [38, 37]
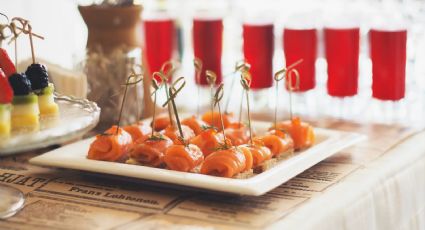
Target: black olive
[20, 83]
[37, 74]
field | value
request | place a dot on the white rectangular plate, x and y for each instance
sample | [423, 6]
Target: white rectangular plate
[328, 142]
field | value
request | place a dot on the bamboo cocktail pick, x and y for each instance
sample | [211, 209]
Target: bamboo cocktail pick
[211, 79]
[164, 80]
[4, 36]
[26, 29]
[175, 88]
[166, 72]
[243, 68]
[239, 66]
[155, 86]
[217, 98]
[290, 87]
[246, 83]
[286, 73]
[136, 75]
[131, 80]
[198, 70]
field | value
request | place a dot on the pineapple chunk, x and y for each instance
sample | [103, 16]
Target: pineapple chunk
[47, 104]
[5, 125]
[27, 122]
[25, 117]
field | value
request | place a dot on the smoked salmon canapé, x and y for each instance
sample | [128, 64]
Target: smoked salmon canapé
[183, 158]
[224, 163]
[280, 144]
[209, 141]
[213, 119]
[112, 145]
[162, 121]
[173, 133]
[150, 151]
[259, 153]
[196, 124]
[138, 130]
[237, 135]
[301, 132]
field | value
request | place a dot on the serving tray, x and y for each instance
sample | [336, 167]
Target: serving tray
[328, 142]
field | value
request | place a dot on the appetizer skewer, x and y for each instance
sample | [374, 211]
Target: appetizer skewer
[195, 124]
[224, 163]
[37, 74]
[114, 144]
[150, 150]
[181, 156]
[301, 132]
[139, 129]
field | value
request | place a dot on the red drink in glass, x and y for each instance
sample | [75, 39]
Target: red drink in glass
[258, 47]
[159, 42]
[302, 44]
[388, 54]
[342, 55]
[207, 46]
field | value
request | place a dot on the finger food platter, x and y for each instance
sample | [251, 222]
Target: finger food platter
[328, 142]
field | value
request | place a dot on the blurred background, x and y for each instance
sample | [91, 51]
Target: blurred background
[66, 36]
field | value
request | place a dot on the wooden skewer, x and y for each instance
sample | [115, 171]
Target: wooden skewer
[134, 74]
[240, 66]
[246, 83]
[174, 90]
[198, 70]
[164, 80]
[283, 74]
[27, 29]
[127, 83]
[211, 79]
[156, 86]
[290, 87]
[217, 98]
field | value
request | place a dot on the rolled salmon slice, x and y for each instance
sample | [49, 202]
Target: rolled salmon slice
[213, 119]
[138, 130]
[195, 124]
[259, 153]
[110, 146]
[183, 158]
[248, 157]
[150, 151]
[302, 133]
[173, 133]
[161, 122]
[276, 144]
[208, 141]
[238, 136]
[224, 163]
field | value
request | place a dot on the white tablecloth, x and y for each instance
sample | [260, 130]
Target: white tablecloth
[388, 193]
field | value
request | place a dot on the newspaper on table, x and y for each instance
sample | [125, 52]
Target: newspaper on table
[69, 199]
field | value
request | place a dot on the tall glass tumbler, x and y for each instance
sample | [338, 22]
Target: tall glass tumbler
[159, 41]
[388, 54]
[342, 55]
[258, 47]
[302, 44]
[207, 46]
